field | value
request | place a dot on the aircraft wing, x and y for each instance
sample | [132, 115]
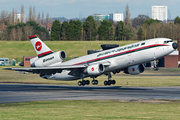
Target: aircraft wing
[48, 69]
[52, 70]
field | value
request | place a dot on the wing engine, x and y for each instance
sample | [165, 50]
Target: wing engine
[96, 69]
[134, 70]
[49, 60]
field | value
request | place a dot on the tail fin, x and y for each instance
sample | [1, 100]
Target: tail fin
[39, 46]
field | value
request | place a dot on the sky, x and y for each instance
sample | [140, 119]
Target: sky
[83, 8]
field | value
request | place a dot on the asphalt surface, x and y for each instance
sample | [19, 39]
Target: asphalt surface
[11, 93]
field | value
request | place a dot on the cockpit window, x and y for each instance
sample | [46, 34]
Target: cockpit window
[165, 42]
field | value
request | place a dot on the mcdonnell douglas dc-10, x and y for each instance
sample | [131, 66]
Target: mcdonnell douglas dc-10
[129, 58]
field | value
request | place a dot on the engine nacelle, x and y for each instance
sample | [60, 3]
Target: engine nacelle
[51, 59]
[134, 70]
[96, 69]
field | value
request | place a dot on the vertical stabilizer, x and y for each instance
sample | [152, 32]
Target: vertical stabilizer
[39, 46]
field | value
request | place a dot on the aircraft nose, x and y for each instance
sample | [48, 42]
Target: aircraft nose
[175, 45]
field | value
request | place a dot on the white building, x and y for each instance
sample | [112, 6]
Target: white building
[159, 13]
[116, 17]
[18, 17]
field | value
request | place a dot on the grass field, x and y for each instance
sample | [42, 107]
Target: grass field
[18, 49]
[91, 110]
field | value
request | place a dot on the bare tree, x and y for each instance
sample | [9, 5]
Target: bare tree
[138, 21]
[19, 33]
[42, 18]
[22, 14]
[30, 14]
[34, 14]
[1, 31]
[3, 17]
[144, 27]
[39, 19]
[13, 17]
[28, 30]
[47, 18]
[13, 34]
[127, 18]
[3, 34]
[50, 21]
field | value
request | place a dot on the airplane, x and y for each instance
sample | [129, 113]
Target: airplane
[129, 58]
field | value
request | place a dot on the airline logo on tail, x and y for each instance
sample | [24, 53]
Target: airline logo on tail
[39, 46]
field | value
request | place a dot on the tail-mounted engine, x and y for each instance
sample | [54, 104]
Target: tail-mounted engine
[134, 70]
[51, 59]
[96, 69]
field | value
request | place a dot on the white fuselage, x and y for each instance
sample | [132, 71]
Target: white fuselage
[120, 57]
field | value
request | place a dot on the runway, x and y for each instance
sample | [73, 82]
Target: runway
[11, 93]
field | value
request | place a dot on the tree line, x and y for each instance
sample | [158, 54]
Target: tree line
[140, 28]
[155, 29]
[89, 30]
[19, 29]
[22, 31]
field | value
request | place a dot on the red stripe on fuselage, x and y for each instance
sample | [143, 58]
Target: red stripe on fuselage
[42, 54]
[121, 53]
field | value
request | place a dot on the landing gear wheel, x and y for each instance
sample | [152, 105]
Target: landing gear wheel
[87, 82]
[79, 83]
[94, 82]
[105, 83]
[109, 82]
[83, 83]
[113, 82]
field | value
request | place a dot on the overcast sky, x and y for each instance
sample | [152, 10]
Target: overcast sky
[84, 8]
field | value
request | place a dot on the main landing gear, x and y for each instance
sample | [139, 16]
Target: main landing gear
[95, 82]
[87, 82]
[109, 82]
[83, 82]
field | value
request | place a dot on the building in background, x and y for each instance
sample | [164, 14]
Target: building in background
[18, 18]
[116, 17]
[99, 17]
[26, 60]
[159, 13]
